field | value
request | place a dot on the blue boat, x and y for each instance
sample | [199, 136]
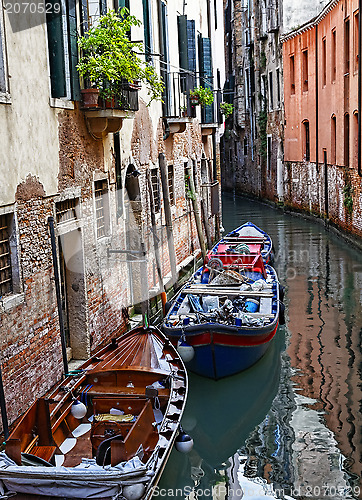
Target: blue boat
[247, 238]
[223, 321]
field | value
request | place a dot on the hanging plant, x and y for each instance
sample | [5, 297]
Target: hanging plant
[202, 95]
[226, 109]
[109, 58]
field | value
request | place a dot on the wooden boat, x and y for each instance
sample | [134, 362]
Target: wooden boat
[132, 395]
[224, 320]
[247, 238]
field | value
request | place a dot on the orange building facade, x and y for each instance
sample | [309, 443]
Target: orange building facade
[320, 61]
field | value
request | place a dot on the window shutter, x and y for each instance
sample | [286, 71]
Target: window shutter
[164, 55]
[56, 53]
[123, 3]
[147, 29]
[73, 50]
[191, 45]
[182, 41]
[206, 75]
[84, 16]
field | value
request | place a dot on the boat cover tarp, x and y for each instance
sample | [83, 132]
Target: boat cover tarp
[87, 480]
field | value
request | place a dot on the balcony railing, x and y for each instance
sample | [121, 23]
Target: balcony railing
[176, 100]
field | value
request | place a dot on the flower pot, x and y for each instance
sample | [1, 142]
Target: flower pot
[194, 100]
[135, 85]
[90, 98]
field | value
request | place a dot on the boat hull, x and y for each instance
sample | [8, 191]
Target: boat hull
[221, 351]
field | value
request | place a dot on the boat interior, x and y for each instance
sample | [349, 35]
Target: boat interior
[123, 409]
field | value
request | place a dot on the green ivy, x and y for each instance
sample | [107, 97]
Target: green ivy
[262, 121]
[348, 192]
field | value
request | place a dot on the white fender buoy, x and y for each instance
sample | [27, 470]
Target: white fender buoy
[185, 350]
[184, 442]
[133, 491]
[78, 409]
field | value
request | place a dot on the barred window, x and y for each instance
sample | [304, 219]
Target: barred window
[66, 210]
[170, 173]
[155, 181]
[101, 204]
[6, 281]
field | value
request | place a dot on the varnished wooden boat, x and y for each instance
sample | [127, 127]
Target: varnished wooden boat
[134, 392]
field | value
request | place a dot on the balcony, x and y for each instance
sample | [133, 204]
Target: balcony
[105, 117]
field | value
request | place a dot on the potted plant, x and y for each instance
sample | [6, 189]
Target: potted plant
[226, 109]
[201, 95]
[109, 58]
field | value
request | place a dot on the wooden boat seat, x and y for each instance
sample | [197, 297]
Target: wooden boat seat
[44, 452]
[123, 390]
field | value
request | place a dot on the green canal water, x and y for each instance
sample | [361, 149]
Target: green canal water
[290, 426]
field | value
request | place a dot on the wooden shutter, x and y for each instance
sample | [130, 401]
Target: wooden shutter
[73, 50]
[191, 45]
[56, 52]
[84, 12]
[147, 29]
[206, 76]
[164, 55]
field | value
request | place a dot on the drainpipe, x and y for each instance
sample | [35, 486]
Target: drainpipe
[57, 291]
[316, 99]
[359, 86]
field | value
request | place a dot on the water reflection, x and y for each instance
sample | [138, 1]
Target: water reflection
[306, 443]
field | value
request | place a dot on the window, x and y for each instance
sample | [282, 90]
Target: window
[292, 75]
[305, 70]
[355, 41]
[346, 140]
[6, 281]
[324, 62]
[355, 139]
[333, 57]
[164, 59]
[170, 179]
[101, 207]
[333, 139]
[3, 72]
[346, 47]
[269, 154]
[155, 181]
[306, 141]
[66, 210]
[278, 87]
[9, 267]
[271, 100]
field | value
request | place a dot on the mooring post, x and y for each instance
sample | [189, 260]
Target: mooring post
[168, 216]
[58, 294]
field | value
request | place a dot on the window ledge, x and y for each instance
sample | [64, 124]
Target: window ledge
[60, 103]
[11, 301]
[5, 98]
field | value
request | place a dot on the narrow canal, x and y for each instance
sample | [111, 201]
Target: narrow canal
[289, 427]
